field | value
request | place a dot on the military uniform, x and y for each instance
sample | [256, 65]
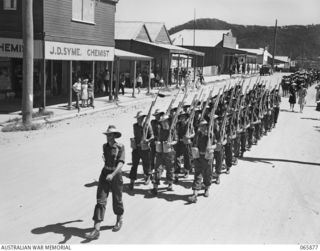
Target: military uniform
[181, 148]
[203, 169]
[164, 159]
[228, 146]
[218, 154]
[113, 154]
[138, 153]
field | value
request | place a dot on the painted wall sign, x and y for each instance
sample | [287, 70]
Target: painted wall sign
[78, 52]
[13, 48]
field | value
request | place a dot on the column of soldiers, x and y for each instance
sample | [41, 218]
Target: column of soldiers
[298, 79]
[210, 134]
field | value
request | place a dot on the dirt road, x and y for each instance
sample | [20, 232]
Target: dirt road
[48, 185]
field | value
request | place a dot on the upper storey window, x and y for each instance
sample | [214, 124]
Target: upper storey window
[83, 10]
[9, 4]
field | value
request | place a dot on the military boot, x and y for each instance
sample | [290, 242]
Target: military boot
[93, 235]
[192, 199]
[119, 223]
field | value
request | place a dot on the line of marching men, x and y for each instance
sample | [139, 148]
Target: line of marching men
[210, 131]
[210, 134]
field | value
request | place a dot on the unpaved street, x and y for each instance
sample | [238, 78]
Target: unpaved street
[48, 181]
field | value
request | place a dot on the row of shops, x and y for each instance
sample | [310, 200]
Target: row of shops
[67, 47]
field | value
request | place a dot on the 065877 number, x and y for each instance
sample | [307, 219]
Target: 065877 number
[308, 247]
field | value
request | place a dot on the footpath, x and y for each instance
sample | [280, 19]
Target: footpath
[61, 112]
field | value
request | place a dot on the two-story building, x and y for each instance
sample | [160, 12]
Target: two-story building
[72, 38]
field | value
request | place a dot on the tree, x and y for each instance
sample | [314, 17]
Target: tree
[27, 89]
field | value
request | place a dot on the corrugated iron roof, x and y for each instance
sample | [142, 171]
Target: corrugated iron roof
[128, 30]
[127, 55]
[174, 49]
[259, 51]
[284, 59]
[205, 38]
[154, 29]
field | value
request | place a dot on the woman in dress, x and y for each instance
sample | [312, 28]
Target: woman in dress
[302, 93]
[139, 82]
[84, 93]
[292, 97]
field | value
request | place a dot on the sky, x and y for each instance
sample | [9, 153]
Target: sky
[244, 12]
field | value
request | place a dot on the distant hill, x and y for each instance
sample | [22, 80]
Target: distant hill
[292, 40]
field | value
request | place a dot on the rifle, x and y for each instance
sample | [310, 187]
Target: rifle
[190, 128]
[224, 122]
[223, 95]
[175, 118]
[205, 104]
[144, 145]
[210, 147]
[239, 110]
[171, 103]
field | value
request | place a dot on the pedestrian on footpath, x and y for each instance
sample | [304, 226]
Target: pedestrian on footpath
[84, 93]
[110, 180]
[139, 82]
[77, 89]
[292, 97]
[91, 93]
[302, 93]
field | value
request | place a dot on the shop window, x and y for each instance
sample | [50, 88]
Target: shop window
[9, 4]
[83, 10]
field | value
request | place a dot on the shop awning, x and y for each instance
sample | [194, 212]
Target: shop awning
[239, 51]
[173, 48]
[126, 55]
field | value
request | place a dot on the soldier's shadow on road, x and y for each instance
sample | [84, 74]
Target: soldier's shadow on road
[310, 118]
[269, 161]
[67, 232]
[147, 194]
[286, 110]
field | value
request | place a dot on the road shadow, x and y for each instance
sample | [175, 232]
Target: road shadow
[126, 174]
[269, 161]
[185, 183]
[67, 232]
[310, 118]
[286, 110]
[92, 184]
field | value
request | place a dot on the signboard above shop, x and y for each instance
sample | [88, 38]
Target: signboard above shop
[78, 52]
[13, 48]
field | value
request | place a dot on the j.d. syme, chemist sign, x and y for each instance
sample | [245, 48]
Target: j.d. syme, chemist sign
[78, 52]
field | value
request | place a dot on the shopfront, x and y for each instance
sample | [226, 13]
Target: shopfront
[66, 62]
[11, 54]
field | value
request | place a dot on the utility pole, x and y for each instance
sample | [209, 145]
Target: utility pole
[274, 45]
[194, 43]
[27, 89]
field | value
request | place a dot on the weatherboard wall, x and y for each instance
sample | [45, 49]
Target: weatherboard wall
[59, 26]
[11, 20]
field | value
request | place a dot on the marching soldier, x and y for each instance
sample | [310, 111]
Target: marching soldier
[140, 149]
[110, 180]
[155, 124]
[165, 155]
[228, 144]
[277, 101]
[218, 151]
[181, 147]
[203, 169]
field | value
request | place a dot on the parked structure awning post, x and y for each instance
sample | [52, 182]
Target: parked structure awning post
[70, 87]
